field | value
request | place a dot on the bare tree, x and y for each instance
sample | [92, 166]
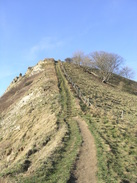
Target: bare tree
[78, 57]
[107, 63]
[127, 72]
[87, 61]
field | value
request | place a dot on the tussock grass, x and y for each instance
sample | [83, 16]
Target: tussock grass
[112, 120]
[72, 140]
[58, 166]
[30, 131]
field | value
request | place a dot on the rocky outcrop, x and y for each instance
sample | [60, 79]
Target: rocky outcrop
[39, 67]
[15, 81]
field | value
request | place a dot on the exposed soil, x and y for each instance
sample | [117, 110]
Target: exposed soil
[86, 164]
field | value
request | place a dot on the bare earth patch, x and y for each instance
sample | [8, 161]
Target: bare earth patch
[86, 165]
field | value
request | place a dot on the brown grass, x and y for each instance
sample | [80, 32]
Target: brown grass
[15, 93]
[29, 130]
[112, 119]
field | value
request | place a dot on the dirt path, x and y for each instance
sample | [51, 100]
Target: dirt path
[86, 165]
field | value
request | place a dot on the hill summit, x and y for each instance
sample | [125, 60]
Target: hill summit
[46, 116]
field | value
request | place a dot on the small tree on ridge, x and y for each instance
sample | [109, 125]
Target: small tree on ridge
[107, 63]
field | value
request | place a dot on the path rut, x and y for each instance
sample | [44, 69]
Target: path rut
[86, 165]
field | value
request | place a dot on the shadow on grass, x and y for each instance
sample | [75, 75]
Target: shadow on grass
[72, 179]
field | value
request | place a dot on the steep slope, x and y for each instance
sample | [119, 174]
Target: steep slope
[111, 116]
[41, 125]
[35, 127]
[116, 81]
[28, 126]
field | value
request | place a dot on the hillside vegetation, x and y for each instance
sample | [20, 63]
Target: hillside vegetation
[115, 81]
[112, 118]
[40, 139]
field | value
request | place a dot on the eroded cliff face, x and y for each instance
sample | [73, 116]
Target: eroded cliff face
[30, 72]
[29, 132]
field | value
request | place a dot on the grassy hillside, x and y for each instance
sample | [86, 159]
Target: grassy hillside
[112, 118]
[115, 81]
[36, 130]
[39, 136]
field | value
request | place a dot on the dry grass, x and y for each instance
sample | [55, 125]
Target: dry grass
[112, 119]
[16, 92]
[38, 136]
[29, 132]
[39, 141]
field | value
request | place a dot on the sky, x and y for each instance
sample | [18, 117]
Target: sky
[31, 30]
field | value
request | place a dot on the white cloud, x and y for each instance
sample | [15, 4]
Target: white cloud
[45, 45]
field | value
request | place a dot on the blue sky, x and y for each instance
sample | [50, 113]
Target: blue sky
[31, 30]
